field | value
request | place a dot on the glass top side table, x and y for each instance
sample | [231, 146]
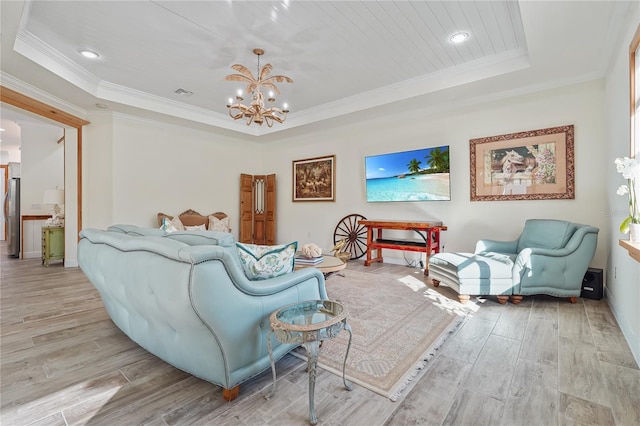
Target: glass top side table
[309, 323]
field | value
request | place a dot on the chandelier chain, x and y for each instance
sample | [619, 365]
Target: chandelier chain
[258, 69]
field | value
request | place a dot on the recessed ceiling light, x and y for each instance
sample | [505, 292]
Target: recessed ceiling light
[89, 54]
[459, 37]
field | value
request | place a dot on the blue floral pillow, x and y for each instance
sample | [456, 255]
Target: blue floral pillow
[264, 262]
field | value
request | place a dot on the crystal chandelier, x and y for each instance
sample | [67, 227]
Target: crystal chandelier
[257, 112]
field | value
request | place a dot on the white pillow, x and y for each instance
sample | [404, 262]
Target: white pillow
[195, 228]
[220, 225]
[172, 225]
[264, 262]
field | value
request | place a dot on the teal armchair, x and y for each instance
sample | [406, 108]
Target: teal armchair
[550, 257]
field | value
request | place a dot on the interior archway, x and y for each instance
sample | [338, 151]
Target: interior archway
[34, 106]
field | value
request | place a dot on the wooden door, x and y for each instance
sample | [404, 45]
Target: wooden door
[246, 209]
[270, 209]
[257, 209]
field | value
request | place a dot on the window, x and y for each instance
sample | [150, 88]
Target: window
[634, 71]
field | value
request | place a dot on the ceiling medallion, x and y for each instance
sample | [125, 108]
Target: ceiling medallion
[257, 112]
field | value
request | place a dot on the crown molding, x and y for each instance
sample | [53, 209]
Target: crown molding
[10, 82]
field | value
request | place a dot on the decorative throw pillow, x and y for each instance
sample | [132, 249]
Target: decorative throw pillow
[264, 262]
[172, 225]
[195, 228]
[220, 225]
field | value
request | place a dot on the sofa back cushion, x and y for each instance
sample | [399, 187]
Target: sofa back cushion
[192, 238]
[546, 233]
[200, 238]
[136, 231]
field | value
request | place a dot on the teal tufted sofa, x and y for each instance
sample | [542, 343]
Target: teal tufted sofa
[184, 297]
[550, 257]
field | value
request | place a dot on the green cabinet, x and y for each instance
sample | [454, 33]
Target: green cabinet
[52, 244]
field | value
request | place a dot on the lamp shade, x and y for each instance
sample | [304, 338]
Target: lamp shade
[53, 196]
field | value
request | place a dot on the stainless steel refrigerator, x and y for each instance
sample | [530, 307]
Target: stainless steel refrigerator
[12, 216]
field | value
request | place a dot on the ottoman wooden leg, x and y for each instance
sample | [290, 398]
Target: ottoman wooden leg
[435, 282]
[463, 298]
[515, 299]
[573, 299]
[502, 299]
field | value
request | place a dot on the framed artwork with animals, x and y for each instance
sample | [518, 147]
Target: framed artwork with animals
[531, 165]
[314, 179]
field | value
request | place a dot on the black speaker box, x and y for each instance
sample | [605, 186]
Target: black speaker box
[592, 284]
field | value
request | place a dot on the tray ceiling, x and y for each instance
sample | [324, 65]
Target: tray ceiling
[344, 56]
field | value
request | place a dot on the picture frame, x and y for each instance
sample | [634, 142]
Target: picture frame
[314, 179]
[530, 165]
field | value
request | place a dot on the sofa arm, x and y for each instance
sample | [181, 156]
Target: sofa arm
[232, 267]
[278, 284]
[484, 246]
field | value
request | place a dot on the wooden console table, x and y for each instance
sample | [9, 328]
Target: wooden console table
[430, 245]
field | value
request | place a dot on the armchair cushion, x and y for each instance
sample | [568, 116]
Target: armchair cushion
[546, 233]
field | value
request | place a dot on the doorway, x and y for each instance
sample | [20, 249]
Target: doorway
[72, 162]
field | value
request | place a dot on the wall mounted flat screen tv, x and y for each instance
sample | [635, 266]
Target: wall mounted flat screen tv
[418, 175]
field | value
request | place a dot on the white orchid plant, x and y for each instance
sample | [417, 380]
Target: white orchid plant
[628, 168]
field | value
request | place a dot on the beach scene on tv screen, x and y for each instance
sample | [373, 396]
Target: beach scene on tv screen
[418, 175]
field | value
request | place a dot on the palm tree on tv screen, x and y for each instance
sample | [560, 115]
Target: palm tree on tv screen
[438, 160]
[414, 166]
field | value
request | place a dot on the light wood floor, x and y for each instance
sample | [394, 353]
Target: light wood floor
[544, 362]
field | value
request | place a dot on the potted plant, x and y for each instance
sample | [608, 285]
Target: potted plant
[628, 168]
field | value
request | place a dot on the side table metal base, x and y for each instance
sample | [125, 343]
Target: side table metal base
[312, 349]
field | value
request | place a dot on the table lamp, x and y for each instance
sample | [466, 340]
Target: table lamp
[55, 197]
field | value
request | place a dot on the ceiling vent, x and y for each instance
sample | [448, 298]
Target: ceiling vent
[183, 92]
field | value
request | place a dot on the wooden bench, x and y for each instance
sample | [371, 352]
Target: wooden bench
[431, 236]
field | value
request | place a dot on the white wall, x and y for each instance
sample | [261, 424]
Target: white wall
[396, 129]
[42, 166]
[71, 197]
[10, 153]
[97, 171]
[623, 275]
[161, 167]
[137, 168]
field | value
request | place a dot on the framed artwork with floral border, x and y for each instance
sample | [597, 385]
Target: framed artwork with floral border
[531, 165]
[314, 179]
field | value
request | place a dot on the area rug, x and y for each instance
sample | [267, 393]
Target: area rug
[398, 325]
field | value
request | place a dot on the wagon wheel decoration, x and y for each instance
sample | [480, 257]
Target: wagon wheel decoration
[355, 235]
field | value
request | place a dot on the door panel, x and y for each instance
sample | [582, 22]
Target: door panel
[257, 209]
[270, 211]
[246, 209]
